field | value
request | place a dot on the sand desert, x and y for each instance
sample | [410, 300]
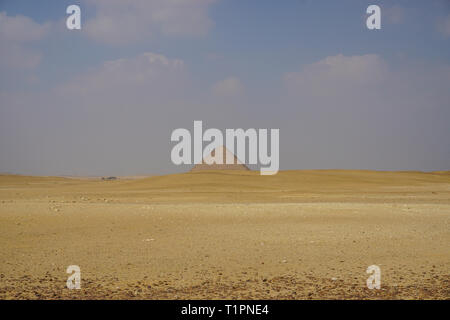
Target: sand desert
[227, 235]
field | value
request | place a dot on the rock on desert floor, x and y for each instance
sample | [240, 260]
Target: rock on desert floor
[227, 235]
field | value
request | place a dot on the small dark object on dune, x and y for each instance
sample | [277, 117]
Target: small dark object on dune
[109, 178]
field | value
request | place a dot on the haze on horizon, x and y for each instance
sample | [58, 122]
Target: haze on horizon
[104, 100]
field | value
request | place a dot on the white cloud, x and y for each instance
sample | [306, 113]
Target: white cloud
[148, 72]
[362, 112]
[336, 74]
[228, 87]
[126, 21]
[16, 33]
[20, 29]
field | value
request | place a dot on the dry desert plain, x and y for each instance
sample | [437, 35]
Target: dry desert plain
[227, 234]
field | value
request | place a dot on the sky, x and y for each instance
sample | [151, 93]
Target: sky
[105, 99]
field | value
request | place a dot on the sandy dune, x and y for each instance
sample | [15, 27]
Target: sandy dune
[295, 235]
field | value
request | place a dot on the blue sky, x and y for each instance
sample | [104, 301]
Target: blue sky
[260, 61]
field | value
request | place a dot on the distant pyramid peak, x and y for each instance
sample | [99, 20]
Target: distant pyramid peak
[218, 153]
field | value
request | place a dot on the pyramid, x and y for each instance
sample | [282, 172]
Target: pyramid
[220, 152]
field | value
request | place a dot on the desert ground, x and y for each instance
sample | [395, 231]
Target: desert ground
[227, 235]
